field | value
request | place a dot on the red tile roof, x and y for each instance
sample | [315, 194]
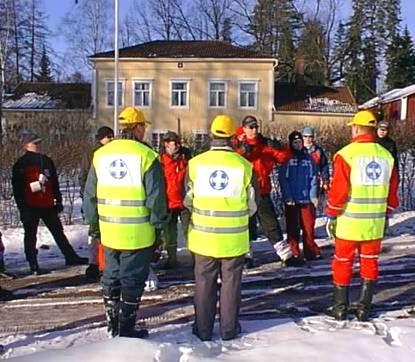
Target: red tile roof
[184, 49]
[290, 98]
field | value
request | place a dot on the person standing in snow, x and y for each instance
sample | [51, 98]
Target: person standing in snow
[263, 158]
[298, 181]
[320, 159]
[363, 193]
[103, 136]
[384, 139]
[174, 159]
[221, 198]
[37, 195]
[125, 192]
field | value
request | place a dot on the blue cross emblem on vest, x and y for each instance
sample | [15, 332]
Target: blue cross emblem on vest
[373, 170]
[118, 169]
[218, 180]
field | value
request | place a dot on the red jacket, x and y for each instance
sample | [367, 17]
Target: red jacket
[174, 172]
[263, 159]
[340, 185]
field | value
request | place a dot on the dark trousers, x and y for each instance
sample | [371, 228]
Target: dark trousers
[169, 235]
[51, 220]
[126, 272]
[301, 216]
[268, 220]
[207, 270]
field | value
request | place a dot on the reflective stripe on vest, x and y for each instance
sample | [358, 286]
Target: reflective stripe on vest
[115, 202]
[123, 218]
[363, 217]
[219, 222]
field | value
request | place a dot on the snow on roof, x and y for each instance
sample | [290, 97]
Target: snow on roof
[390, 96]
[33, 101]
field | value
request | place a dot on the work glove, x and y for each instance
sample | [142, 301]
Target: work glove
[331, 227]
[152, 282]
[245, 148]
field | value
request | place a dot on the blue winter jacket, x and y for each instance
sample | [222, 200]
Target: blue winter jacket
[298, 178]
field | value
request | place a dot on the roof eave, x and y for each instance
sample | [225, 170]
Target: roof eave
[170, 59]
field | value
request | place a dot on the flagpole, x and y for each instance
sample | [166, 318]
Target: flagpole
[116, 67]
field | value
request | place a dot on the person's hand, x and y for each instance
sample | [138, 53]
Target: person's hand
[245, 148]
[290, 203]
[331, 227]
[314, 201]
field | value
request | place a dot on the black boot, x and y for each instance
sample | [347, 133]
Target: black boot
[112, 312]
[34, 268]
[340, 303]
[364, 304]
[128, 315]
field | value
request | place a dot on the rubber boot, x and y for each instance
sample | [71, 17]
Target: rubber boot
[112, 312]
[340, 303]
[364, 304]
[128, 316]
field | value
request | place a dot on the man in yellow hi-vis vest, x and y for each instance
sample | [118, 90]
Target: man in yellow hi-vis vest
[125, 192]
[362, 194]
[221, 199]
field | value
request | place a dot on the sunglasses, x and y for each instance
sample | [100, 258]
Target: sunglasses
[253, 126]
[308, 136]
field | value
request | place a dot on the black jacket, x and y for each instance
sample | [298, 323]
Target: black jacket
[390, 145]
[26, 170]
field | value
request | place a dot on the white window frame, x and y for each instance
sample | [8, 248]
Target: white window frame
[150, 90]
[242, 81]
[210, 81]
[122, 81]
[187, 81]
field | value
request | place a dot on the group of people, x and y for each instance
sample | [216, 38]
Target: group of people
[133, 198]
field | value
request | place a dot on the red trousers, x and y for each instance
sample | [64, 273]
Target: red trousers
[301, 216]
[342, 264]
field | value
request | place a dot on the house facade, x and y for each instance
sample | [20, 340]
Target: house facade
[182, 85]
[395, 105]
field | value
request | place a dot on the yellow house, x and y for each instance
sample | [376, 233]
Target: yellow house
[182, 85]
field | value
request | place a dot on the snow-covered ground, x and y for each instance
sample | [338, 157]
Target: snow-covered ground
[388, 337]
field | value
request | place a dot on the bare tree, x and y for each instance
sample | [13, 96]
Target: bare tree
[214, 12]
[87, 30]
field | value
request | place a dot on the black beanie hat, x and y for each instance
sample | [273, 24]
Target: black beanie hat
[295, 135]
[103, 132]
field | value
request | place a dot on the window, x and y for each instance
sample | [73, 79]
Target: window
[110, 93]
[217, 94]
[248, 94]
[179, 94]
[142, 93]
[157, 139]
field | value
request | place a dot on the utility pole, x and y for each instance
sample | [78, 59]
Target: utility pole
[116, 3]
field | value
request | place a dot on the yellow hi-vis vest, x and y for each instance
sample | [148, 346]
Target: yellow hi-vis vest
[123, 218]
[219, 222]
[364, 215]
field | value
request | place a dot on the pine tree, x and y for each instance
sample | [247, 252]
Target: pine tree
[312, 48]
[44, 67]
[339, 53]
[401, 61]
[274, 27]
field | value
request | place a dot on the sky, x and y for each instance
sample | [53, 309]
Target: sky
[56, 9]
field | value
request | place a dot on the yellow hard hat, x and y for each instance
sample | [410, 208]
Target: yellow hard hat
[222, 126]
[131, 115]
[364, 118]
